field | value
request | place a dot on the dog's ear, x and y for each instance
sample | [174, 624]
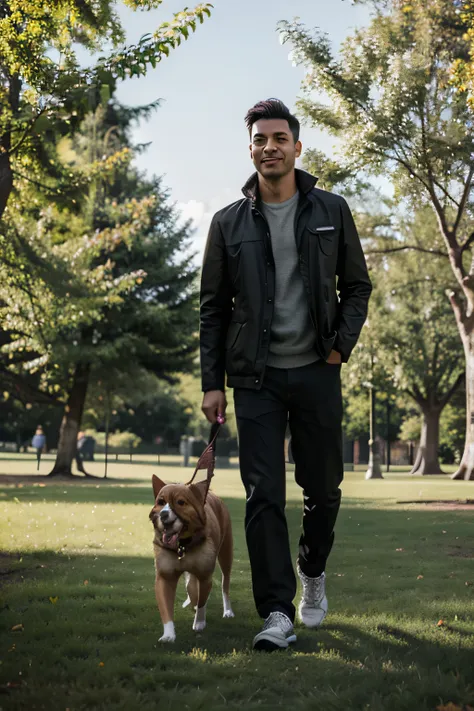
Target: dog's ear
[199, 490]
[157, 485]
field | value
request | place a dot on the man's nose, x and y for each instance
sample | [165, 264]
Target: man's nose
[269, 148]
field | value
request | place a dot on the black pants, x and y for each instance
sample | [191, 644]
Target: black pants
[310, 398]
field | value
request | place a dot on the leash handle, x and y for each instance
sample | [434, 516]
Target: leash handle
[215, 428]
[207, 459]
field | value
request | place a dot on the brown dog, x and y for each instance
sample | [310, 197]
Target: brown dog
[192, 531]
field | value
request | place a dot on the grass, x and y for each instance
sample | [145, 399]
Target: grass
[77, 574]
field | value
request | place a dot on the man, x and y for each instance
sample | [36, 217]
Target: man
[272, 319]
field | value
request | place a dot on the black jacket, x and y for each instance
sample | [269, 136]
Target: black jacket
[238, 283]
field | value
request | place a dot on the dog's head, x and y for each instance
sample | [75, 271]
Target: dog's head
[178, 510]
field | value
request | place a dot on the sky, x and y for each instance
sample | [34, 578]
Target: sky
[198, 140]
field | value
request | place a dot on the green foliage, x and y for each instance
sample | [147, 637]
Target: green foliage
[390, 99]
[410, 430]
[120, 441]
[83, 295]
[44, 90]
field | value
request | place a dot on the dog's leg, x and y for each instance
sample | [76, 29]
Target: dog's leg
[192, 590]
[165, 591]
[225, 562]
[200, 617]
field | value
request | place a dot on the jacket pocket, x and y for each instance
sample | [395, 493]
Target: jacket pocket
[327, 237]
[232, 334]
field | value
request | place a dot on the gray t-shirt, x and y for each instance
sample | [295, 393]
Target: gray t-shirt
[292, 333]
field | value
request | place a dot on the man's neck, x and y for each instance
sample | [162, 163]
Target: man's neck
[279, 190]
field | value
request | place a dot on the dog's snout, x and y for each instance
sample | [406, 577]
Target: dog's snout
[166, 513]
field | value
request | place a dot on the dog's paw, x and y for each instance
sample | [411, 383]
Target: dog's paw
[228, 613]
[168, 638]
[199, 626]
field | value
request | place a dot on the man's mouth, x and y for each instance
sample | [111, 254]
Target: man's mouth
[271, 161]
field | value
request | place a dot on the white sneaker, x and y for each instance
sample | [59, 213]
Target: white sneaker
[313, 606]
[277, 633]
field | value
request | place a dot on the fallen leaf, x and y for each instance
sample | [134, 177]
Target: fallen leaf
[18, 628]
[420, 577]
[399, 549]
[468, 583]
[453, 707]
[12, 648]
[86, 582]
[53, 600]
[101, 664]
[440, 623]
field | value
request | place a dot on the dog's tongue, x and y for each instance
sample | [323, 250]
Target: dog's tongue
[170, 540]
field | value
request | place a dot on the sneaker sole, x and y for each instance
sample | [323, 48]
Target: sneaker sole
[265, 642]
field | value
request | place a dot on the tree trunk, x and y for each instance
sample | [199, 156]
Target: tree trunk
[67, 446]
[466, 467]
[427, 461]
[6, 181]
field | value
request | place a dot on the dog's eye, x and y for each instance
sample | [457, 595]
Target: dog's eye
[161, 502]
[181, 502]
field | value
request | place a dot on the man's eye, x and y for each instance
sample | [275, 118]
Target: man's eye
[161, 502]
[181, 502]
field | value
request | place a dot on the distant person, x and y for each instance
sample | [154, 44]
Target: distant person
[39, 443]
[284, 295]
[81, 439]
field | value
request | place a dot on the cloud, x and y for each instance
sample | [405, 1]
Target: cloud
[201, 214]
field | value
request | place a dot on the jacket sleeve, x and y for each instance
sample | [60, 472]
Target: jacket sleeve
[215, 310]
[353, 284]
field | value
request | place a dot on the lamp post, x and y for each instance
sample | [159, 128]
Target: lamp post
[374, 470]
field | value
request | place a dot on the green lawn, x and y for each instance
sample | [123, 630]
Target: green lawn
[77, 575]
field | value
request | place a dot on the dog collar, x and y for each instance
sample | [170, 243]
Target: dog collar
[187, 542]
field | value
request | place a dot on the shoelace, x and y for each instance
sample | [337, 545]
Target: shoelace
[313, 588]
[278, 619]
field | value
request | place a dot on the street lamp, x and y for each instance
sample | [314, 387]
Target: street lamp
[374, 470]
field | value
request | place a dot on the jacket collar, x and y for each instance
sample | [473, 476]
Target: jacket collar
[304, 181]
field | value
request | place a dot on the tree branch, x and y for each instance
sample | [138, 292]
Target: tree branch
[28, 130]
[35, 182]
[467, 243]
[444, 400]
[437, 252]
[464, 199]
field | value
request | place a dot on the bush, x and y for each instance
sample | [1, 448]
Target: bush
[120, 441]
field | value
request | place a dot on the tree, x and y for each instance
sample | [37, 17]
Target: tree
[99, 314]
[417, 344]
[393, 104]
[44, 90]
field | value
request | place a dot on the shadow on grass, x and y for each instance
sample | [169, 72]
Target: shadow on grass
[90, 633]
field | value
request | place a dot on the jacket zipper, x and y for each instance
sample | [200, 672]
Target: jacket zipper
[270, 262]
[307, 283]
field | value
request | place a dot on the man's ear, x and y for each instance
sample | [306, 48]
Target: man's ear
[157, 485]
[299, 148]
[199, 490]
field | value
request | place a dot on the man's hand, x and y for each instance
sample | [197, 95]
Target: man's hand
[335, 358]
[214, 405]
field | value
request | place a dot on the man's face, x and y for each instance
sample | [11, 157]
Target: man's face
[273, 148]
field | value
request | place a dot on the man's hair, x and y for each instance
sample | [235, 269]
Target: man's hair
[272, 109]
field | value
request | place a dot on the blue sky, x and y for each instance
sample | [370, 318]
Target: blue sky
[198, 139]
